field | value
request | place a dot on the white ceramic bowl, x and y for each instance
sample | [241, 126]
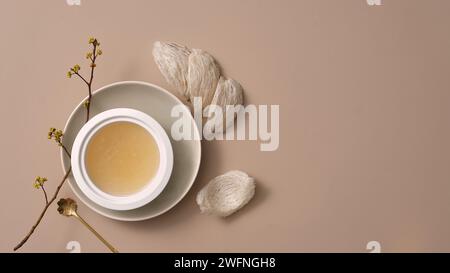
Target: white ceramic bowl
[158, 103]
[151, 190]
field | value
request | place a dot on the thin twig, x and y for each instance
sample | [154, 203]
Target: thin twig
[94, 57]
[65, 150]
[45, 194]
[55, 195]
[81, 77]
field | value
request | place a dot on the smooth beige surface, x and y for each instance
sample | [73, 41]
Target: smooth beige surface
[364, 130]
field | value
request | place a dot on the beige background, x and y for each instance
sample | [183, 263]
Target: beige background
[364, 98]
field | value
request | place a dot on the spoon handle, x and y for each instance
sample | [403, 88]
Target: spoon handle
[113, 249]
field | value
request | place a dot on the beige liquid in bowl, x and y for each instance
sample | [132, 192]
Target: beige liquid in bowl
[122, 158]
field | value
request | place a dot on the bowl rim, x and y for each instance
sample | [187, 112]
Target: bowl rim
[151, 190]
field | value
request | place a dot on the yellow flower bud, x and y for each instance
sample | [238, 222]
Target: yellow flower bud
[39, 182]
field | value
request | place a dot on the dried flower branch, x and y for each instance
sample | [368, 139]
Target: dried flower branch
[39, 184]
[92, 56]
[57, 136]
[55, 195]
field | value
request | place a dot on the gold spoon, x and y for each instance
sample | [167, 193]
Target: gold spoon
[68, 207]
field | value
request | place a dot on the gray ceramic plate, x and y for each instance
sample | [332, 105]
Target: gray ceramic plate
[156, 102]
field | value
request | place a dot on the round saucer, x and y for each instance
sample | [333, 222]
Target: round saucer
[158, 103]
